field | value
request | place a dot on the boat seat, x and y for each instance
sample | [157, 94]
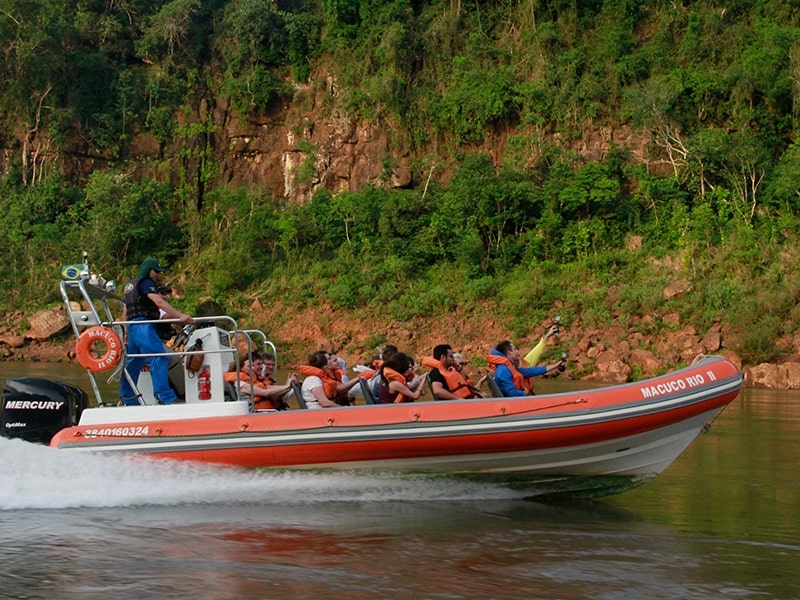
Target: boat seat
[298, 394]
[230, 392]
[366, 390]
[494, 390]
[430, 385]
[375, 386]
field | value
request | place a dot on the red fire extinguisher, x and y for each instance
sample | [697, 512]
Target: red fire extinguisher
[204, 383]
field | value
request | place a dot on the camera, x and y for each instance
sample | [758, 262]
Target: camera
[183, 336]
[563, 365]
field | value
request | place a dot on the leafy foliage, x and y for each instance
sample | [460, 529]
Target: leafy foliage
[495, 96]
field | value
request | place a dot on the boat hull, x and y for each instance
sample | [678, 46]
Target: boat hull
[589, 442]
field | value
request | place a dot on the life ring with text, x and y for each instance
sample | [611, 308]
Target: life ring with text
[92, 361]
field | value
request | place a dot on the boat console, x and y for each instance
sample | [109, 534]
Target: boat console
[205, 384]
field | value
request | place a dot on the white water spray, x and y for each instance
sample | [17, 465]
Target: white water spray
[39, 477]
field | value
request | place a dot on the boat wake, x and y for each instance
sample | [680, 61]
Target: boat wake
[39, 477]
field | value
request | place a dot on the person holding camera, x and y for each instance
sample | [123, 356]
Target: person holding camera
[511, 376]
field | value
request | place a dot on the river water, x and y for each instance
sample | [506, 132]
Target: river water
[722, 522]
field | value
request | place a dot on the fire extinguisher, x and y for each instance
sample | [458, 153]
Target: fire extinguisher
[204, 383]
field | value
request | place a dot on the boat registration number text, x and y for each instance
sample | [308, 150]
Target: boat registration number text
[118, 431]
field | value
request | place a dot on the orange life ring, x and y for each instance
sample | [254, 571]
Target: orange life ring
[98, 364]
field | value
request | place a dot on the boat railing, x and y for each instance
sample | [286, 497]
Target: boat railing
[88, 305]
[232, 331]
[88, 314]
[238, 344]
[90, 300]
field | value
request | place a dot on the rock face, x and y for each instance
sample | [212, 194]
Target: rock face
[782, 376]
[12, 341]
[46, 324]
[610, 368]
[294, 150]
[646, 361]
[676, 289]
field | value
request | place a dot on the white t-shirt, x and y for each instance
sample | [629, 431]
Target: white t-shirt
[309, 383]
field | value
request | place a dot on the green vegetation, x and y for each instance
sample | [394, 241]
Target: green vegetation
[707, 189]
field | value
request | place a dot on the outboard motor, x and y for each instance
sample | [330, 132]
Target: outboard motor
[35, 409]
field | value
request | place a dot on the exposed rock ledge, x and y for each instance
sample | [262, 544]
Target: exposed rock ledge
[612, 355]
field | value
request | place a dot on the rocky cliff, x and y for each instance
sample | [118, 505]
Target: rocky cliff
[306, 142]
[303, 144]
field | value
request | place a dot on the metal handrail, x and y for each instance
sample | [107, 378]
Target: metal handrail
[91, 295]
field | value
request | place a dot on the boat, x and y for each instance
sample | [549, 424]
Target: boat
[586, 443]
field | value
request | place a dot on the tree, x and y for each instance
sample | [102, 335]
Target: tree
[32, 66]
[167, 32]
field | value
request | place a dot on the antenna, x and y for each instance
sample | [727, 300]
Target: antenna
[85, 273]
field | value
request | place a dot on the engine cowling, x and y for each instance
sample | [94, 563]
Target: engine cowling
[35, 409]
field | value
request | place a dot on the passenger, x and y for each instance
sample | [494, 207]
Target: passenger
[416, 380]
[367, 371]
[458, 366]
[267, 374]
[512, 378]
[384, 352]
[336, 371]
[262, 388]
[447, 382]
[395, 374]
[443, 385]
[314, 386]
[142, 303]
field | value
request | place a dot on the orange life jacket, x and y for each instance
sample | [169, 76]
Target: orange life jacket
[329, 384]
[466, 388]
[265, 381]
[258, 402]
[520, 381]
[456, 382]
[337, 375]
[367, 373]
[392, 375]
[276, 403]
[244, 377]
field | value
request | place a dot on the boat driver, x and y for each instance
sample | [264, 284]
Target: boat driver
[143, 303]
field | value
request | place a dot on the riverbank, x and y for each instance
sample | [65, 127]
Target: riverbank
[605, 355]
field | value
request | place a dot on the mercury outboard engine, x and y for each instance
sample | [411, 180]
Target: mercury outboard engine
[35, 409]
